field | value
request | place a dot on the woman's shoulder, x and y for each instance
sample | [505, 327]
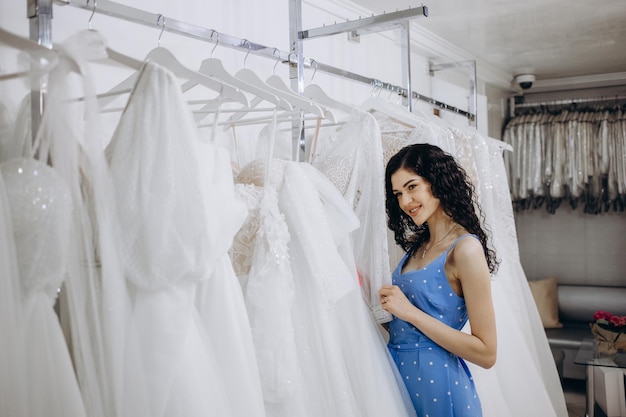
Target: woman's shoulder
[466, 244]
[467, 256]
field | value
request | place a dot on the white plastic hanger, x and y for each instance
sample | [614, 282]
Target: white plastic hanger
[93, 38]
[278, 83]
[22, 44]
[162, 57]
[96, 48]
[398, 113]
[97, 41]
[290, 96]
[125, 60]
[315, 92]
[165, 58]
[213, 68]
[281, 118]
[15, 41]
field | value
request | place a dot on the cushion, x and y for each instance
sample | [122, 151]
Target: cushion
[580, 302]
[545, 294]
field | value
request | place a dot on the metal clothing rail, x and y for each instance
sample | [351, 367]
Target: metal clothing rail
[166, 24]
[40, 17]
[376, 83]
[603, 99]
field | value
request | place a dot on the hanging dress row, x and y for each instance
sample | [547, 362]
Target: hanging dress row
[569, 156]
[196, 281]
[367, 137]
[158, 323]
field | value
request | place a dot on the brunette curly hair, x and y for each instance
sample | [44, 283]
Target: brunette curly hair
[449, 183]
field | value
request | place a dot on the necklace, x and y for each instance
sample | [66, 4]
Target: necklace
[437, 242]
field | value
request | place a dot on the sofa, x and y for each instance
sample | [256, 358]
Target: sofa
[566, 312]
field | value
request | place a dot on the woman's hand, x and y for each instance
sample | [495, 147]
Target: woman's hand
[394, 301]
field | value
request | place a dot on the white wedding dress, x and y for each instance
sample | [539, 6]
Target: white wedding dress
[523, 348]
[70, 249]
[13, 374]
[320, 353]
[352, 158]
[176, 223]
[220, 295]
[40, 211]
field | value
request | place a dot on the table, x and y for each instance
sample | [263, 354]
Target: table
[588, 355]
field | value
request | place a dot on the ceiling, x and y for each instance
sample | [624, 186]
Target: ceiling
[565, 43]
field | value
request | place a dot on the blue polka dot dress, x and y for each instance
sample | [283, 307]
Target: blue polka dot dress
[439, 383]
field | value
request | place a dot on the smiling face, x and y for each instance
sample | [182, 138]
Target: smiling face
[414, 195]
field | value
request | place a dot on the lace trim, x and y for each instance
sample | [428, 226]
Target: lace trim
[243, 243]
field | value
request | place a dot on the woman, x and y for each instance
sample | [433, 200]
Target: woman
[442, 281]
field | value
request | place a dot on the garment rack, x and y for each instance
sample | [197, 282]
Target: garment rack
[40, 18]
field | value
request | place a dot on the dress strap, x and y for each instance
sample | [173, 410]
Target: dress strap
[270, 153]
[457, 241]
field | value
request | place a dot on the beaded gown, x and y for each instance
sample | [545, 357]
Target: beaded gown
[13, 396]
[40, 210]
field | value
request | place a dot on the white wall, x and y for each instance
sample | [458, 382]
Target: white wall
[575, 247]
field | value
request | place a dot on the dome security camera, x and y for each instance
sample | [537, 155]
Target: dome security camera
[525, 81]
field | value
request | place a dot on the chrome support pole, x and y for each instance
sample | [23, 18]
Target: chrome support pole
[473, 98]
[406, 63]
[470, 66]
[296, 74]
[39, 13]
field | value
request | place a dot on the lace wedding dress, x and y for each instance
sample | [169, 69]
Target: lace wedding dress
[352, 158]
[320, 353]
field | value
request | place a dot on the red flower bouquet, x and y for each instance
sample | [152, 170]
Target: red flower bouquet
[610, 332]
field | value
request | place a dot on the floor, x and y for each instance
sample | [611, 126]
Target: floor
[574, 390]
